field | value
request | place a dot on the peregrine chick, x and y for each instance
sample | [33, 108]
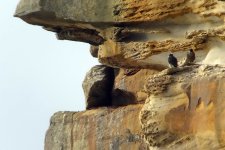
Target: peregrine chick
[190, 56]
[172, 60]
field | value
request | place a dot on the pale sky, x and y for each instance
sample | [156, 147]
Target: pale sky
[39, 75]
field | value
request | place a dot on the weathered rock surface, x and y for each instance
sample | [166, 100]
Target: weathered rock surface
[183, 107]
[188, 114]
[185, 113]
[94, 51]
[129, 86]
[98, 129]
[133, 33]
[98, 85]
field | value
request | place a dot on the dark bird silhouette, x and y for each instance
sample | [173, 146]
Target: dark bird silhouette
[172, 60]
[190, 56]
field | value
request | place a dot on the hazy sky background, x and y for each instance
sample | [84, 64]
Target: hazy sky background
[39, 75]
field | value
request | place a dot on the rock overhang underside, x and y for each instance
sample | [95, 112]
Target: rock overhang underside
[133, 34]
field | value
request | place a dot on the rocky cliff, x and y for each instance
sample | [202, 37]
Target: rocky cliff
[134, 100]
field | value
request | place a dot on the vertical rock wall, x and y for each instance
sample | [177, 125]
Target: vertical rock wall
[188, 114]
[100, 129]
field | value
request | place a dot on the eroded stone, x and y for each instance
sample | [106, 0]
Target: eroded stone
[102, 128]
[94, 51]
[98, 85]
[187, 114]
[133, 34]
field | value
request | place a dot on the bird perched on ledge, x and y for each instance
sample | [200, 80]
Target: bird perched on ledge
[190, 56]
[172, 60]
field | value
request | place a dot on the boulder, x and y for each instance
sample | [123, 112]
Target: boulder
[94, 51]
[98, 85]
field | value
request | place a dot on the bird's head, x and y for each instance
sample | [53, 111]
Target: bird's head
[171, 54]
[191, 50]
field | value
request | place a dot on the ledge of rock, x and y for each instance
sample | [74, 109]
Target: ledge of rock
[183, 109]
[187, 112]
[103, 128]
[39, 11]
[133, 34]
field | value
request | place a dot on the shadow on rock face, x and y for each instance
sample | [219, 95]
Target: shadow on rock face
[100, 95]
[122, 98]
[98, 85]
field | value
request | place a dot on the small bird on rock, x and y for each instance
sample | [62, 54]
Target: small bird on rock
[172, 60]
[190, 56]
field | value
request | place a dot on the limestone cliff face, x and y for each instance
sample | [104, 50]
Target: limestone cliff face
[188, 115]
[133, 33]
[172, 108]
[102, 129]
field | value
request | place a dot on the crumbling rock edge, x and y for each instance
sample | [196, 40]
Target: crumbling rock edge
[133, 34]
[188, 113]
